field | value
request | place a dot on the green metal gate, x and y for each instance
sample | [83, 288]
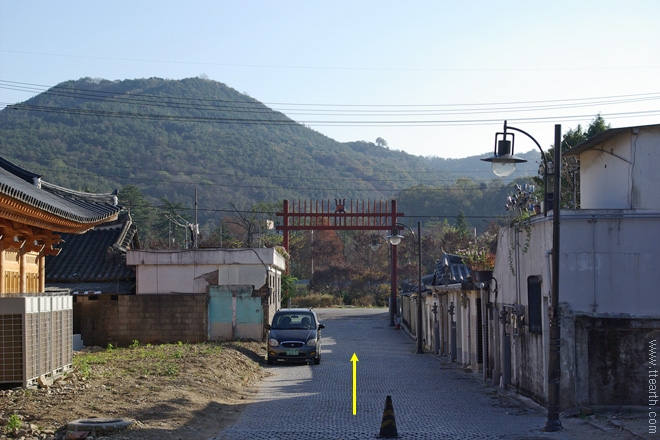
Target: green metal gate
[234, 313]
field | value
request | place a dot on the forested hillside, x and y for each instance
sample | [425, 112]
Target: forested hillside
[165, 137]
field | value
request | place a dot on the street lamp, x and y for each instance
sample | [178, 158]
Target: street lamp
[374, 243]
[394, 239]
[505, 162]
[374, 247]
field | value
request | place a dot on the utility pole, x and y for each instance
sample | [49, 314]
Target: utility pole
[195, 226]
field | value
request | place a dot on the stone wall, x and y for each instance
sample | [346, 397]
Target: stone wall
[149, 319]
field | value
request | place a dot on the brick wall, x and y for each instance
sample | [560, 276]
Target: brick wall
[150, 319]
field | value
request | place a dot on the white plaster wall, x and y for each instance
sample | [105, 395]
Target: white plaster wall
[249, 275]
[512, 289]
[146, 279]
[185, 271]
[624, 175]
[267, 256]
[604, 178]
[607, 263]
[645, 177]
[171, 278]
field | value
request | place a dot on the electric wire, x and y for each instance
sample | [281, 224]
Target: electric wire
[241, 211]
[318, 123]
[97, 165]
[238, 106]
[296, 188]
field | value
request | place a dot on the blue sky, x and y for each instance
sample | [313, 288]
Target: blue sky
[361, 69]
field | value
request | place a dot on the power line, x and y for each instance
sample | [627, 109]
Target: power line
[240, 211]
[266, 176]
[318, 123]
[139, 97]
[233, 185]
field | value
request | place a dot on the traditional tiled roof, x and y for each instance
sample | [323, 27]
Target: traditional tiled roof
[80, 207]
[450, 269]
[98, 255]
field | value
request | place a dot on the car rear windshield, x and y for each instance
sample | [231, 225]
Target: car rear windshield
[292, 321]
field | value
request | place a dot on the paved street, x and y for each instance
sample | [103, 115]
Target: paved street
[431, 399]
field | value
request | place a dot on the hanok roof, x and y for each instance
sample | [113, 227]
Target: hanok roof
[96, 256]
[27, 199]
[601, 138]
[450, 269]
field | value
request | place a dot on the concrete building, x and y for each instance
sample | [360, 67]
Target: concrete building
[243, 285]
[609, 304]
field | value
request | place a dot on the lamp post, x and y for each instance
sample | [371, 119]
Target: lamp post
[394, 240]
[374, 247]
[504, 163]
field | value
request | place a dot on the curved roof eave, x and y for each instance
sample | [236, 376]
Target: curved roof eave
[76, 206]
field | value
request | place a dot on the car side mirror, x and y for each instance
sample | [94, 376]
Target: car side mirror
[321, 326]
[267, 326]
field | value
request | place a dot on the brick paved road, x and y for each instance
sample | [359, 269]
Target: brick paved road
[431, 400]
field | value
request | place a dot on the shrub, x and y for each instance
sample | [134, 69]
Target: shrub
[316, 300]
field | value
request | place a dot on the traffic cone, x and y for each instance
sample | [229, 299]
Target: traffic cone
[388, 425]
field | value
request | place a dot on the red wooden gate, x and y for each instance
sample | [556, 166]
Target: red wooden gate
[372, 215]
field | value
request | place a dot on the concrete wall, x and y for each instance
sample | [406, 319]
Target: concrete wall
[606, 264]
[624, 174]
[612, 359]
[121, 319]
[464, 316]
[606, 273]
[192, 271]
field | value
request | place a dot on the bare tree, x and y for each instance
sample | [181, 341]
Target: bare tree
[252, 220]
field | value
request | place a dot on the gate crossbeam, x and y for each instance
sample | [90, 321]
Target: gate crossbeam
[372, 216]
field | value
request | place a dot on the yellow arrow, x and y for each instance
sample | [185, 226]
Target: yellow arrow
[354, 359]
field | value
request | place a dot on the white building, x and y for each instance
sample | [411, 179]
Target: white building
[609, 300]
[244, 285]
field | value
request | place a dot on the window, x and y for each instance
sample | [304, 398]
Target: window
[535, 305]
[290, 321]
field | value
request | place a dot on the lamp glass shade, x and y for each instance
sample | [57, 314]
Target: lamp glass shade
[394, 239]
[503, 169]
[375, 246]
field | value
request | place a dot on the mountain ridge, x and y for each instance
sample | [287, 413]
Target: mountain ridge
[169, 136]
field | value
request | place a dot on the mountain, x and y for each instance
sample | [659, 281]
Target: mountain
[167, 136]
[470, 166]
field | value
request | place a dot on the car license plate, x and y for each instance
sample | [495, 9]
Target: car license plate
[292, 352]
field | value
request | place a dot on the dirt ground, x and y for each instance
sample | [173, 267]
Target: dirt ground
[174, 391]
